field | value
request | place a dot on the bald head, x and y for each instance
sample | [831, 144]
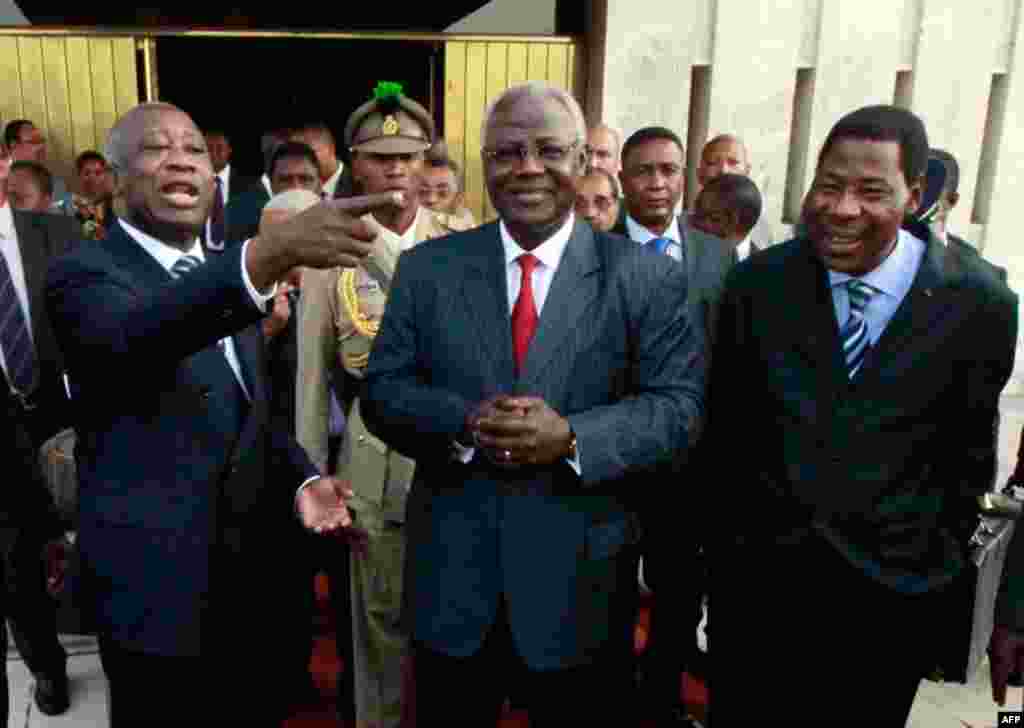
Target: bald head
[725, 154]
[604, 145]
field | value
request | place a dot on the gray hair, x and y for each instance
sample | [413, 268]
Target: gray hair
[114, 148]
[541, 89]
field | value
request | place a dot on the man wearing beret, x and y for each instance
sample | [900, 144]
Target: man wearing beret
[387, 138]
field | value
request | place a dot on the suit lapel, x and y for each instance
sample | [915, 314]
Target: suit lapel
[485, 293]
[572, 291]
[249, 349]
[930, 296]
[819, 331]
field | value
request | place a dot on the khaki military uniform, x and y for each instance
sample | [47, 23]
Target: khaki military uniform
[340, 311]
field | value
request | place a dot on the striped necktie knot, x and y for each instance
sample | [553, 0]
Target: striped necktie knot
[854, 334]
[185, 265]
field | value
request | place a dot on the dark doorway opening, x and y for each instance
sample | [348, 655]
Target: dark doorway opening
[248, 85]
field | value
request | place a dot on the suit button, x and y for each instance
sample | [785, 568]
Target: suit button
[204, 393]
[227, 313]
[361, 439]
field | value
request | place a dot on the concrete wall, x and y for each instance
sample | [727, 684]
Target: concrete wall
[780, 73]
[532, 17]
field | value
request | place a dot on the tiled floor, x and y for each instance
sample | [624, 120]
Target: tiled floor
[937, 705]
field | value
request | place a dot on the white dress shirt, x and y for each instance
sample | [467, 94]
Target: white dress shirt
[266, 185]
[12, 254]
[640, 234]
[549, 253]
[167, 256]
[332, 183]
[743, 249]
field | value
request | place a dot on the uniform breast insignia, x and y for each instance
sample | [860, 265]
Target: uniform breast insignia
[390, 127]
[362, 323]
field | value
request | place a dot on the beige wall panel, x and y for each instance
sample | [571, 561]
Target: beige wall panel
[558, 66]
[497, 81]
[649, 60]
[952, 98]
[858, 54]
[83, 120]
[455, 101]
[33, 84]
[126, 80]
[766, 72]
[1002, 237]
[104, 103]
[10, 80]
[60, 144]
[476, 99]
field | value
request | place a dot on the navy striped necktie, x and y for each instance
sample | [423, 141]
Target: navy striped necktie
[15, 338]
[854, 334]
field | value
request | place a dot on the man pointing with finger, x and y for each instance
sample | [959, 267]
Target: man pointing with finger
[184, 487]
[536, 370]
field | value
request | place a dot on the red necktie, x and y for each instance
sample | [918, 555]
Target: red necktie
[524, 313]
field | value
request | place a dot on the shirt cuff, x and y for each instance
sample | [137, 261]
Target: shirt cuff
[462, 453]
[258, 298]
[306, 482]
[574, 463]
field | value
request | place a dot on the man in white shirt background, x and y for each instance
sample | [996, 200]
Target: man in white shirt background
[32, 362]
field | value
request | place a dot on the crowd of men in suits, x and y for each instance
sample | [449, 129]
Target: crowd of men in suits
[485, 434]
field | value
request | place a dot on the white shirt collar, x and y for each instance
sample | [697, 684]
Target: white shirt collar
[408, 238]
[7, 231]
[332, 182]
[640, 234]
[164, 254]
[266, 183]
[549, 252]
[224, 174]
[743, 249]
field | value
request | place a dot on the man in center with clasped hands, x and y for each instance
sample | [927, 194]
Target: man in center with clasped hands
[537, 371]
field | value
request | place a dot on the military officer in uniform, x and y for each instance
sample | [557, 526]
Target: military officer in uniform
[340, 313]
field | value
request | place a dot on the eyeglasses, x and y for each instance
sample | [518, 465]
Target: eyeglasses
[547, 153]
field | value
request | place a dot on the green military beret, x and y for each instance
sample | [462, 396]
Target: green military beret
[389, 123]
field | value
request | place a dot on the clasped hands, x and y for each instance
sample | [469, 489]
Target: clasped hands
[514, 432]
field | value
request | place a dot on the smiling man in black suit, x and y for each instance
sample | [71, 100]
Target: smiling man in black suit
[879, 360]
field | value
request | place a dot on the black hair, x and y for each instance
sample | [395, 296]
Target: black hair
[90, 155]
[952, 170]
[648, 134]
[40, 173]
[12, 132]
[739, 193]
[885, 123]
[291, 150]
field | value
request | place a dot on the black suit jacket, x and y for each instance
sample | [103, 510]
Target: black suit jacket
[242, 215]
[181, 504]
[27, 513]
[885, 468]
[41, 238]
[615, 353]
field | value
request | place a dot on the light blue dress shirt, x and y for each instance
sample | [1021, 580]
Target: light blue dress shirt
[892, 279]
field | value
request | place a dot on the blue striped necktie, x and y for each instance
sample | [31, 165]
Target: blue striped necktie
[854, 333]
[19, 354]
